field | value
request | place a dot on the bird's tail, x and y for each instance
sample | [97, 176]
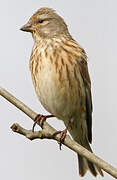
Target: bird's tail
[85, 165]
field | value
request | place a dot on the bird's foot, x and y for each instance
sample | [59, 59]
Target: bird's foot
[40, 119]
[62, 136]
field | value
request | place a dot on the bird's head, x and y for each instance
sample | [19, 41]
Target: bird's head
[45, 23]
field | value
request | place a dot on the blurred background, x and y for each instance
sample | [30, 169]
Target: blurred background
[94, 25]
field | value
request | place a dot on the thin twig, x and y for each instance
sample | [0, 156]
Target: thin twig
[47, 132]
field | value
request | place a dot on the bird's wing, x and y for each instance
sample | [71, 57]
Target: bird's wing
[87, 83]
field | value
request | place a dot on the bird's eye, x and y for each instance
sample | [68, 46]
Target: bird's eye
[41, 21]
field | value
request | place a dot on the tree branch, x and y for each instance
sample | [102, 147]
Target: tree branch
[48, 131]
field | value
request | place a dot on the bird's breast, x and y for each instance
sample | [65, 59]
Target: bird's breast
[58, 84]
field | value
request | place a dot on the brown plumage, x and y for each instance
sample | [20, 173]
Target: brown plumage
[60, 76]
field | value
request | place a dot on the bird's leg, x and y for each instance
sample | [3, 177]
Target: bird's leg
[62, 134]
[41, 118]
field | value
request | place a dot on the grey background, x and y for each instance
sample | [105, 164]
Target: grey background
[93, 23]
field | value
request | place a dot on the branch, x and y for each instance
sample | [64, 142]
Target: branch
[48, 131]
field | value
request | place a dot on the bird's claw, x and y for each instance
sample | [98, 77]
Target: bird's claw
[62, 136]
[40, 119]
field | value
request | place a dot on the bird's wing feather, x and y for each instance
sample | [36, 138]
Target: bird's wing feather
[87, 84]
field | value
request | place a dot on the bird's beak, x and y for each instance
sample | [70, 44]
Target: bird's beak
[27, 27]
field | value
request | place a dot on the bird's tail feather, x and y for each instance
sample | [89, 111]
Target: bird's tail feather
[85, 165]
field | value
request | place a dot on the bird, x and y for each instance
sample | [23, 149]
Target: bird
[59, 70]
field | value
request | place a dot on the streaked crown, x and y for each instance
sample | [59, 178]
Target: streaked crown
[46, 23]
